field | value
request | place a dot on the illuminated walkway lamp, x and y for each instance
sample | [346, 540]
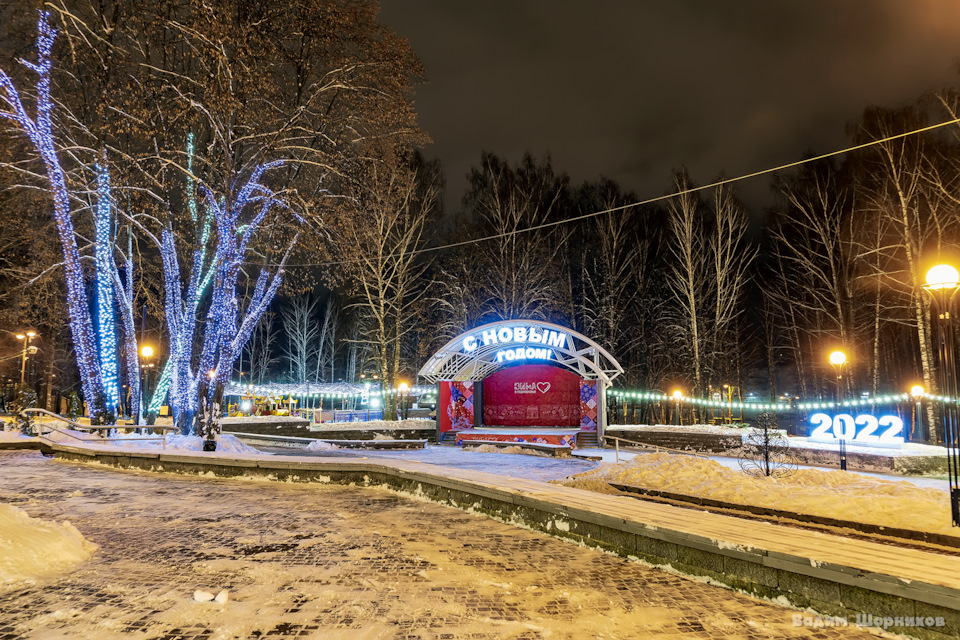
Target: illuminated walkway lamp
[838, 359]
[917, 392]
[942, 282]
[146, 366]
[27, 349]
[404, 394]
[677, 396]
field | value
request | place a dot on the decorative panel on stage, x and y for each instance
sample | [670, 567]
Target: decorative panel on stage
[532, 395]
[568, 439]
[588, 405]
[456, 405]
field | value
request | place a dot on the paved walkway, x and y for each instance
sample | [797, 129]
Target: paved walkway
[337, 562]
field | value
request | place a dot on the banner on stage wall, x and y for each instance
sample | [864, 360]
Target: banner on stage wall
[588, 405]
[532, 395]
[456, 405]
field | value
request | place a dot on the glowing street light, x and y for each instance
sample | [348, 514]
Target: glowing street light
[404, 390]
[677, 396]
[27, 338]
[838, 359]
[146, 351]
[942, 277]
[917, 392]
[942, 283]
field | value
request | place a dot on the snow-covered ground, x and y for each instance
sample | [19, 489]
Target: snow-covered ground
[31, 548]
[506, 464]
[905, 449]
[609, 456]
[836, 494]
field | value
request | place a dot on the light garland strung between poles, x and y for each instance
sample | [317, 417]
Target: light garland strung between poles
[806, 405]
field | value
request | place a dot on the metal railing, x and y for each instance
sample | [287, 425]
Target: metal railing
[101, 428]
[653, 447]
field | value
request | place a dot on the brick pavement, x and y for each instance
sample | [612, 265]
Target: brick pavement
[337, 562]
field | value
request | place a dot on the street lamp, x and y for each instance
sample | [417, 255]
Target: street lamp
[942, 282]
[404, 389]
[677, 395]
[27, 348]
[146, 367]
[838, 359]
[917, 392]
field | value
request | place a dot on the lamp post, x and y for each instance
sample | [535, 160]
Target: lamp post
[677, 396]
[917, 392]
[942, 282]
[146, 366]
[27, 348]
[404, 390]
[838, 359]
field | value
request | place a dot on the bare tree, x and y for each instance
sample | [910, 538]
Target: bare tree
[259, 349]
[302, 332]
[688, 276]
[520, 276]
[398, 196]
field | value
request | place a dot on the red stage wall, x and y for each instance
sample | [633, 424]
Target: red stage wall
[532, 395]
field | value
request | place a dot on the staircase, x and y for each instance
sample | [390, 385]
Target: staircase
[587, 439]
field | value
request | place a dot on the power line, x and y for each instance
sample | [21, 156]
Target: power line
[718, 183]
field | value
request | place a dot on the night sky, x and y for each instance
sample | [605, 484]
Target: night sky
[633, 89]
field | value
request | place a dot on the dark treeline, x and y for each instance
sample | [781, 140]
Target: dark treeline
[687, 293]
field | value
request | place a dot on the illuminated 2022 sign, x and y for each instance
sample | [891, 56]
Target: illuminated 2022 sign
[863, 430]
[512, 335]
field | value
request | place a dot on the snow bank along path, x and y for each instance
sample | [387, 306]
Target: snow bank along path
[836, 494]
[226, 443]
[31, 548]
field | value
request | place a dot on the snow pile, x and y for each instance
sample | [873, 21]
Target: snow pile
[381, 436]
[835, 494]
[226, 443]
[412, 423]
[31, 548]
[320, 445]
[270, 418]
[14, 436]
[695, 428]
[490, 448]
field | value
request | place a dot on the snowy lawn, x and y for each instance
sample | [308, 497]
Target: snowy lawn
[836, 494]
[31, 548]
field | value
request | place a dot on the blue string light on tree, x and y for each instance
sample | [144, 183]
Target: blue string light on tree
[40, 133]
[106, 319]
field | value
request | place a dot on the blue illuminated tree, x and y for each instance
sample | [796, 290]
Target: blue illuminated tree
[105, 269]
[39, 130]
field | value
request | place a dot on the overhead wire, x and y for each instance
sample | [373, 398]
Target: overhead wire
[641, 203]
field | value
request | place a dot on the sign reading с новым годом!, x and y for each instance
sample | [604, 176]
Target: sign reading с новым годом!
[507, 335]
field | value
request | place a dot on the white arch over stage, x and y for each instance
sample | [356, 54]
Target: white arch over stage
[475, 354]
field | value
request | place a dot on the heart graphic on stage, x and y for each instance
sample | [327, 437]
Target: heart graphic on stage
[543, 387]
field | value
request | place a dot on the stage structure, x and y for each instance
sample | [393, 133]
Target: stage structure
[522, 380]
